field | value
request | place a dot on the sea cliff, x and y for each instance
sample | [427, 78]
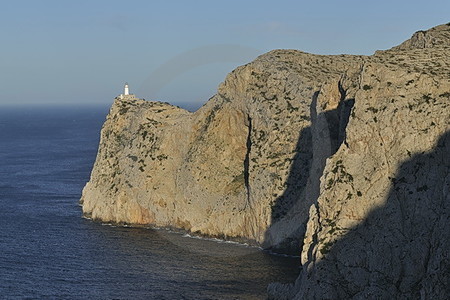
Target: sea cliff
[344, 159]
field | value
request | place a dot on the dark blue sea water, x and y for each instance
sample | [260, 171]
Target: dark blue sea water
[48, 251]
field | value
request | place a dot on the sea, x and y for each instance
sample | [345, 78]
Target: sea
[49, 251]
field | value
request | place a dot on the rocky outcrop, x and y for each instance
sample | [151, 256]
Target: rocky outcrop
[343, 156]
[379, 229]
[436, 37]
[246, 165]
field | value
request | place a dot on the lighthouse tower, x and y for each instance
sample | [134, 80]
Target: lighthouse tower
[126, 93]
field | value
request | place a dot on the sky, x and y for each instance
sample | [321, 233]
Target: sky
[82, 52]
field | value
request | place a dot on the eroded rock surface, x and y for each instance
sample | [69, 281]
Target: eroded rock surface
[246, 165]
[344, 156]
[379, 229]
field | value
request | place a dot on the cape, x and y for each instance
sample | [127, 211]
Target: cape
[343, 159]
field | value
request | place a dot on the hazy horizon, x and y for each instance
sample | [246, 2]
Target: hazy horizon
[81, 53]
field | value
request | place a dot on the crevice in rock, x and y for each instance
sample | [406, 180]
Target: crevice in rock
[247, 160]
[344, 109]
[315, 144]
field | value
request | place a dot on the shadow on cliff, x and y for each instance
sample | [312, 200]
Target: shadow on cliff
[315, 144]
[400, 250]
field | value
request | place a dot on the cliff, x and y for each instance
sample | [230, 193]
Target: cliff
[345, 157]
[246, 165]
[379, 229]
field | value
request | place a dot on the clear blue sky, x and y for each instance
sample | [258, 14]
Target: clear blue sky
[69, 52]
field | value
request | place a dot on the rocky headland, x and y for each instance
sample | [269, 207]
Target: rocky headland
[344, 159]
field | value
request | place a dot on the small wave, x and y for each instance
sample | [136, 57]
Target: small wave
[220, 241]
[109, 224]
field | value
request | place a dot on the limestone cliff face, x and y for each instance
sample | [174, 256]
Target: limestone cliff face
[379, 229]
[345, 156]
[245, 165]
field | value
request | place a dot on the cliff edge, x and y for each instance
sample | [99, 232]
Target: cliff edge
[345, 157]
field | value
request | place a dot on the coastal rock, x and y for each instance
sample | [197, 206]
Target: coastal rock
[345, 157]
[379, 229]
[244, 166]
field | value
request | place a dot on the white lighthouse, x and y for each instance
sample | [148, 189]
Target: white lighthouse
[126, 93]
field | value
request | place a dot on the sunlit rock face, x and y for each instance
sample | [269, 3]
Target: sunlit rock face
[246, 165]
[379, 229]
[343, 156]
